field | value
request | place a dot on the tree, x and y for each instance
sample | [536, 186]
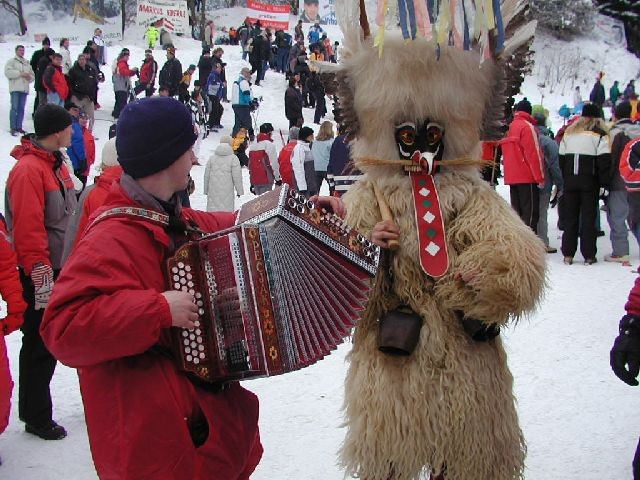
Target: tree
[564, 18]
[17, 11]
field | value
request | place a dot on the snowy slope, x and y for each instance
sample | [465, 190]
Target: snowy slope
[580, 422]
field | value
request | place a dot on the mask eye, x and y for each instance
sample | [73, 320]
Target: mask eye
[434, 133]
[406, 133]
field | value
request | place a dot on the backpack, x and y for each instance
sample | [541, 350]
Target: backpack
[258, 173]
[630, 165]
[284, 160]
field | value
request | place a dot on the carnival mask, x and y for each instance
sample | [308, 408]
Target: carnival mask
[420, 142]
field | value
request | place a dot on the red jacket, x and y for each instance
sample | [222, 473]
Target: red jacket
[284, 159]
[633, 304]
[105, 313]
[97, 197]
[54, 81]
[11, 291]
[89, 148]
[522, 156]
[37, 210]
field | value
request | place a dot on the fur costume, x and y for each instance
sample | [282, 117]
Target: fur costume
[447, 408]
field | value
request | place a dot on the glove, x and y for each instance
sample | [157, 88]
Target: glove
[252, 189]
[11, 323]
[625, 354]
[604, 193]
[278, 183]
[42, 278]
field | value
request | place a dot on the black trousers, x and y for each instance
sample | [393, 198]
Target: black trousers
[242, 119]
[525, 200]
[215, 116]
[121, 102]
[36, 363]
[579, 210]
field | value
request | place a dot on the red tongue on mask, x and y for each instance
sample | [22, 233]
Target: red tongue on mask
[434, 258]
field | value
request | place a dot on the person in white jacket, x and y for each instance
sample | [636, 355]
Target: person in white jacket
[20, 74]
[66, 56]
[302, 163]
[222, 176]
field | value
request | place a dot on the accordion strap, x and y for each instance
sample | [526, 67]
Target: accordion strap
[135, 212]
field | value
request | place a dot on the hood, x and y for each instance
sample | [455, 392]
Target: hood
[109, 175]
[632, 130]
[525, 116]
[27, 147]
[224, 150]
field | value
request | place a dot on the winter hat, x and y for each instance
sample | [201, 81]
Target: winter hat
[294, 132]
[524, 106]
[50, 119]
[591, 110]
[540, 119]
[226, 139]
[206, 50]
[304, 133]
[266, 128]
[152, 134]
[109, 155]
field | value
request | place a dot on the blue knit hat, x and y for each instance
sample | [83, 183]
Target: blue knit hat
[152, 134]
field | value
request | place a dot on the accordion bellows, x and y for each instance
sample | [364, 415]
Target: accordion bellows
[276, 293]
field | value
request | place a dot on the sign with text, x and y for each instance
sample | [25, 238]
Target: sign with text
[172, 15]
[274, 16]
[318, 11]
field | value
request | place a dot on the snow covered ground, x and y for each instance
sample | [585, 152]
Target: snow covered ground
[579, 420]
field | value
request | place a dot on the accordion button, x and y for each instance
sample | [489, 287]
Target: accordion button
[176, 278]
[198, 331]
[187, 349]
[199, 339]
[174, 269]
[196, 360]
[185, 333]
[201, 311]
[201, 348]
[187, 268]
[192, 336]
[197, 323]
[200, 303]
[183, 281]
[189, 276]
[201, 355]
[176, 285]
[189, 358]
[180, 265]
[186, 341]
[198, 295]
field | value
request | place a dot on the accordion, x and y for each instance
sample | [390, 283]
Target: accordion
[275, 293]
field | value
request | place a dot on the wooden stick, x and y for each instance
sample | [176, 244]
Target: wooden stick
[385, 212]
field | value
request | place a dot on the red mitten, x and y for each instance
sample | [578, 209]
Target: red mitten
[11, 323]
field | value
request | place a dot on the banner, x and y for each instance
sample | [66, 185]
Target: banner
[172, 15]
[318, 11]
[274, 16]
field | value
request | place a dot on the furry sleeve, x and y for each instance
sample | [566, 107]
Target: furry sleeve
[497, 269]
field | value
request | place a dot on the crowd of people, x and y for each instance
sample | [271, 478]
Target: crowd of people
[49, 210]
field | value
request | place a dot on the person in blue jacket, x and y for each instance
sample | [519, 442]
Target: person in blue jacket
[241, 102]
[76, 150]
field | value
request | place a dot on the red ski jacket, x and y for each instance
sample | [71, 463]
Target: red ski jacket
[97, 197]
[633, 304]
[522, 156]
[37, 208]
[54, 81]
[105, 313]
[284, 159]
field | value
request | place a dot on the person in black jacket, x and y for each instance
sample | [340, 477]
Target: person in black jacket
[205, 65]
[171, 72]
[293, 101]
[35, 59]
[216, 59]
[316, 89]
[259, 55]
[83, 82]
[597, 94]
[44, 61]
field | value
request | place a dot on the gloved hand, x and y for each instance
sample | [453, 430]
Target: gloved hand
[625, 354]
[42, 278]
[252, 189]
[604, 193]
[11, 323]
[278, 183]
